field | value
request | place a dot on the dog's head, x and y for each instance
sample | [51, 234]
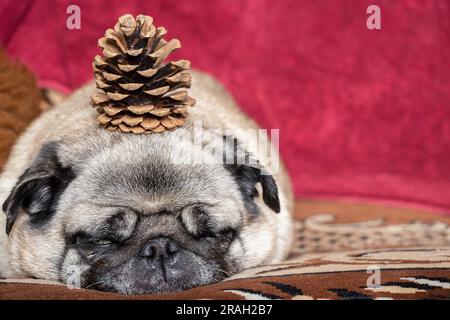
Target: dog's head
[122, 213]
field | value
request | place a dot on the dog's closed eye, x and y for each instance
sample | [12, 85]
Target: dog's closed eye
[104, 242]
[115, 231]
[89, 243]
[195, 221]
[120, 226]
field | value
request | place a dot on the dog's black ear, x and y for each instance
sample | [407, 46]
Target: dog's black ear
[38, 189]
[247, 174]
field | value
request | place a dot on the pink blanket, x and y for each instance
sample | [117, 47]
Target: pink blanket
[363, 114]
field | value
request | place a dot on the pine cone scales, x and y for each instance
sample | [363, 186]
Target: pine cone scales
[137, 92]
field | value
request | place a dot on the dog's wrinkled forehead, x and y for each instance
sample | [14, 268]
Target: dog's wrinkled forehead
[149, 181]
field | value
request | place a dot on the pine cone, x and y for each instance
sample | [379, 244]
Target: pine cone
[137, 92]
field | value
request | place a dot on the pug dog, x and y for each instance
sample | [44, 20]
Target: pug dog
[139, 214]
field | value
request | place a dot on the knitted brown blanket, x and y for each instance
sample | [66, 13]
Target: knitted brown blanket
[20, 101]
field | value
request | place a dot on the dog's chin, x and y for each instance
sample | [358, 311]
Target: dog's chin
[148, 287]
[129, 279]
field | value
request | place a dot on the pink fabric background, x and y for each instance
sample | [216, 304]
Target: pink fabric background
[363, 114]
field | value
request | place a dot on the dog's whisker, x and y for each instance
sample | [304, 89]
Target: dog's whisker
[225, 272]
[93, 284]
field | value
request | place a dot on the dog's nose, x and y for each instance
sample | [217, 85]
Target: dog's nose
[161, 248]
